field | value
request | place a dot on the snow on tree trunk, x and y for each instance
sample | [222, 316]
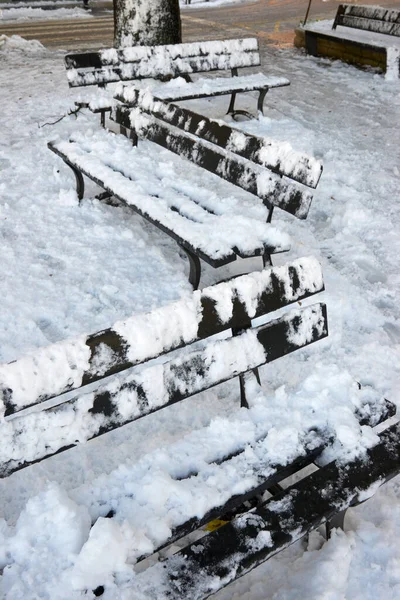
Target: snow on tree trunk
[146, 22]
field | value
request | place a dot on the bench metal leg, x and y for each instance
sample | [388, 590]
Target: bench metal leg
[130, 134]
[234, 113]
[195, 267]
[261, 98]
[337, 521]
[80, 184]
[267, 259]
[244, 403]
[231, 108]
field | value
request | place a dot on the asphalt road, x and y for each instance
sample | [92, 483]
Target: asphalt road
[272, 21]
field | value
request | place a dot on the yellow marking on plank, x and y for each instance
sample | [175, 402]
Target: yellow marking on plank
[214, 525]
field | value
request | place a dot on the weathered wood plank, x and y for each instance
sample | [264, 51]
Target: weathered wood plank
[269, 187]
[228, 553]
[141, 62]
[368, 18]
[89, 358]
[154, 387]
[371, 25]
[264, 152]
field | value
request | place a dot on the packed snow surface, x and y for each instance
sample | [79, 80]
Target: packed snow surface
[69, 269]
[36, 14]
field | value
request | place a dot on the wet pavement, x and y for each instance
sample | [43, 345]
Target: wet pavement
[272, 21]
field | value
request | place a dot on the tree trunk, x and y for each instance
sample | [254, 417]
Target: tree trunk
[146, 23]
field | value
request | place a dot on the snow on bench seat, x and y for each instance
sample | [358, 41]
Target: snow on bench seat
[212, 562]
[158, 62]
[352, 45]
[179, 89]
[216, 228]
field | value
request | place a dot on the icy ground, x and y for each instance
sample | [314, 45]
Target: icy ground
[67, 269]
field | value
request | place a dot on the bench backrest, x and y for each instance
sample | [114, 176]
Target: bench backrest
[369, 18]
[31, 436]
[141, 62]
[271, 170]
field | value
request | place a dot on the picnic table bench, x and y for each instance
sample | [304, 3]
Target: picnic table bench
[361, 35]
[200, 478]
[216, 229]
[174, 61]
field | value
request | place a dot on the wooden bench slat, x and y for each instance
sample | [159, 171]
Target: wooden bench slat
[228, 553]
[371, 25]
[279, 157]
[217, 86]
[389, 15]
[129, 398]
[157, 61]
[368, 18]
[269, 187]
[215, 236]
[87, 359]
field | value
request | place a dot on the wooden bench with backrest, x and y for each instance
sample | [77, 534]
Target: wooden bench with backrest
[368, 18]
[208, 226]
[200, 478]
[174, 61]
[348, 41]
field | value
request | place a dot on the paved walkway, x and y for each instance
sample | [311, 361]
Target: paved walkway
[272, 21]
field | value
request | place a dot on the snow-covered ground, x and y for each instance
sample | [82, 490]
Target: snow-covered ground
[67, 269]
[30, 13]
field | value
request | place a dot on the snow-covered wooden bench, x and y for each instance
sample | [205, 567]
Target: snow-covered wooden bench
[368, 18]
[217, 468]
[174, 61]
[208, 226]
[362, 35]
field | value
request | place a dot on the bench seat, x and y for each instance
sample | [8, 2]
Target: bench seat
[218, 229]
[212, 562]
[175, 61]
[217, 470]
[371, 41]
[179, 89]
[205, 87]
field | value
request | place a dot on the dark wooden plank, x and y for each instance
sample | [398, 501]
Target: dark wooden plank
[98, 412]
[277, 287]
[139, 62]
[306, 170]
[369, 18]
[228, 553]
[272, 189]
[277, 473]
[388, 15]
[371, 25]
[313, 448]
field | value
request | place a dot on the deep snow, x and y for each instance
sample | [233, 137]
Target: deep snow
[69, 269]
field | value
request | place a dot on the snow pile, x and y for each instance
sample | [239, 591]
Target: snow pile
[15, 43]
[36, 14]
